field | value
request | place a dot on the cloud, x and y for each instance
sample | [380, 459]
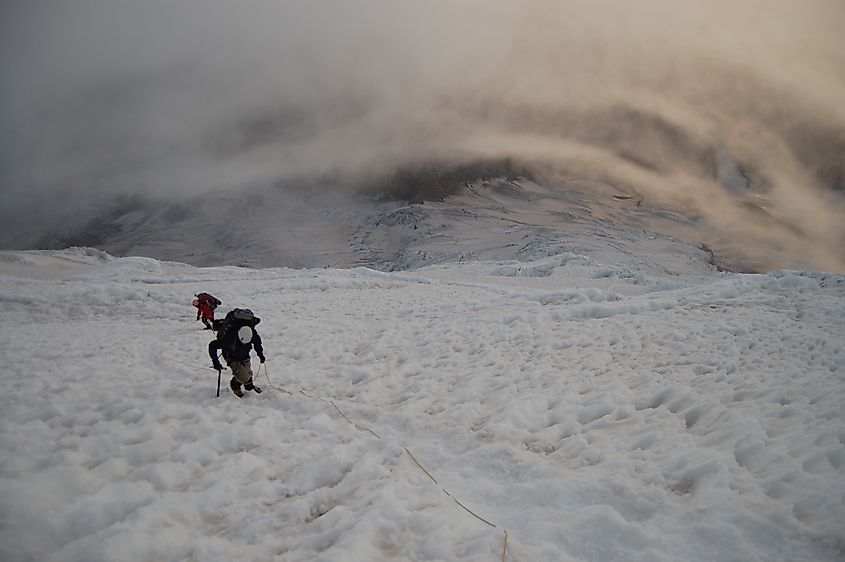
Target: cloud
[104, 99]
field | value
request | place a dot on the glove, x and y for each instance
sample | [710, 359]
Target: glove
[217, 367]
[261, 358]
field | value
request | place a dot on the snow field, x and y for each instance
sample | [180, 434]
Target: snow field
[595, 412]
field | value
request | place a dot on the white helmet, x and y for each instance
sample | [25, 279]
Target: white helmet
[245, 334]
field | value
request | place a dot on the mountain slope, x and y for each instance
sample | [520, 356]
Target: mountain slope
[595, 406]
[496, 218]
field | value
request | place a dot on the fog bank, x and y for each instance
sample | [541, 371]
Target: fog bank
[161, 101]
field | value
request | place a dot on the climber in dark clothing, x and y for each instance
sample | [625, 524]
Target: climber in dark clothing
[236, 338]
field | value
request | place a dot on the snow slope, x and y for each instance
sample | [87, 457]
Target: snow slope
[593, 406]
[493, 218]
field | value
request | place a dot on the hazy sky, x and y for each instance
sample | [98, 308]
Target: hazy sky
[175, 98]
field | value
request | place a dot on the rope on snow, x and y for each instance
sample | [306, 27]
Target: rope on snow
[410, 454]
[269, 382]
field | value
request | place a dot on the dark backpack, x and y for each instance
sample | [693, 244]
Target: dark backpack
[211, 300]
[233, 321]
[227, 329]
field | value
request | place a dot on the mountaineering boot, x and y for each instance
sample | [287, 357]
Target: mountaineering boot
[249, 386]
[236, 387]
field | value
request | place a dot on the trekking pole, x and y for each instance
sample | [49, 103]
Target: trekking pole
[219, 373]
